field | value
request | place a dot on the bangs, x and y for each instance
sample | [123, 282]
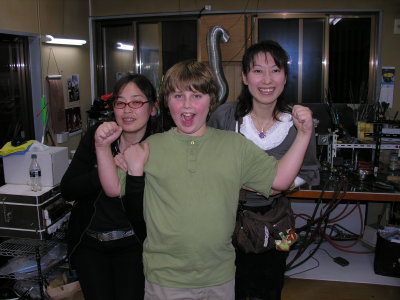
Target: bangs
[189, 76]
[187, 81]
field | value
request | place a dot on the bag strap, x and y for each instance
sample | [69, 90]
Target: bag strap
[239, 123]
[242, 193]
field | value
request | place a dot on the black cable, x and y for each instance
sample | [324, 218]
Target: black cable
[308, 227]
[290, 267]
[327, 253]
[322, 219]
[200, 12]
[307, 269]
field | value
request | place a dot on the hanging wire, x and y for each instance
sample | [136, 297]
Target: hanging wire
[55, 60]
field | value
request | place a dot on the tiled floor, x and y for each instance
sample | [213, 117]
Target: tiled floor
[305, 289]
[322, 267]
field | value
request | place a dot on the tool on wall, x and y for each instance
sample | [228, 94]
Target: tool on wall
[216, 35]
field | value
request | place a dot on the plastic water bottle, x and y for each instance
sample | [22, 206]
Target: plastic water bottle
[35, 174]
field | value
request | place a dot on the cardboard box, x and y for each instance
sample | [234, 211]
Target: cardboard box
[53, 163]
[70, 291]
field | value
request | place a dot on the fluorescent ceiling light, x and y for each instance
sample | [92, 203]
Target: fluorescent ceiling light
[52, 40]
[123, 46]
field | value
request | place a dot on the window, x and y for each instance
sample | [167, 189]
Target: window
[330, 55]
[114, 57]
[155, 46]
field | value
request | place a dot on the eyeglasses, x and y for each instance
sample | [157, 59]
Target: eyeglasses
[132, 104]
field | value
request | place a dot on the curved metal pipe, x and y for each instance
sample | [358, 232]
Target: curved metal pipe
[216, 35]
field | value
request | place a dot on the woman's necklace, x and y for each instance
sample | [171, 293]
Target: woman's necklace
[262, 134]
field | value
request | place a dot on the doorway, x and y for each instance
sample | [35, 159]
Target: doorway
[16, 113]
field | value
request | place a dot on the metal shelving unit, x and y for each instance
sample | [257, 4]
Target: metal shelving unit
[373, 146]
[34, 249]
[25, 247]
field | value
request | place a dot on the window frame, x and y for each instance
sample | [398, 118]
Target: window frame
[374, 62]
[99, 25]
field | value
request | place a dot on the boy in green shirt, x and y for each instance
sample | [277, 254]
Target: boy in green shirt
[193, 177]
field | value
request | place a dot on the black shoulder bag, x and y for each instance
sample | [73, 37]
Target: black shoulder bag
[258, 232]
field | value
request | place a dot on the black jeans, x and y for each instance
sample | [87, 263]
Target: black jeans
[260, 276]
[110, 270]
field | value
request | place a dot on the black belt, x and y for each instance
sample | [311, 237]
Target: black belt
[110, 235]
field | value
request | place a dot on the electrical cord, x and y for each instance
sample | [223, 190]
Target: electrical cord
[340, 185]
[299, 253]
[327, 253]
[289, 275]
[313, 229]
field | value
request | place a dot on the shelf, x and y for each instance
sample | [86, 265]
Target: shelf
[33, 250]
[25, 247]
[368, 146]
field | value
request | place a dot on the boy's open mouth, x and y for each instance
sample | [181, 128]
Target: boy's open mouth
[188, 116]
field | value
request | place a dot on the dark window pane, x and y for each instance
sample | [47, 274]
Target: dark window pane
[117, 61]
[179, 42]
[149, 51]
[349, 52]
[286, 33]
[313, 42]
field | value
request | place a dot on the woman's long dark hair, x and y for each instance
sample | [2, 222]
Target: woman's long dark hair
[145, 85]
[142, 83]
[245, 104]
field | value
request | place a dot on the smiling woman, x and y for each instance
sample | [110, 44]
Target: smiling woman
[106, 230]
[263, 116]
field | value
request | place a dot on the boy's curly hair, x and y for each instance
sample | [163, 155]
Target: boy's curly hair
[189, 76]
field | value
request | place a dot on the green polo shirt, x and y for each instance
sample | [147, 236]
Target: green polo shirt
[190, 201]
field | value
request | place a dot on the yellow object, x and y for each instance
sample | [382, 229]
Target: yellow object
[9, 149]
[362, 129]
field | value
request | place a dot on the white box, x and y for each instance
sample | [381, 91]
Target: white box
[53, 163]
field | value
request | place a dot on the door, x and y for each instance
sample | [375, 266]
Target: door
[16, 114]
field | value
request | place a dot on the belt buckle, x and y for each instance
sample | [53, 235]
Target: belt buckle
[102, 237]
[108, 236]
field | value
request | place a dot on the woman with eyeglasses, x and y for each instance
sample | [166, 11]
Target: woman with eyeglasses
[106, 232]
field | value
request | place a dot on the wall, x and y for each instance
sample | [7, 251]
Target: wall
[69, 18]
[390, 10]
[61, 18]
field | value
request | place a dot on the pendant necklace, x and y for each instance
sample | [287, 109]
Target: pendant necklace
[261, 134]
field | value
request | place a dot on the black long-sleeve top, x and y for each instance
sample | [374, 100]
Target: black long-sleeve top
[92, 208]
